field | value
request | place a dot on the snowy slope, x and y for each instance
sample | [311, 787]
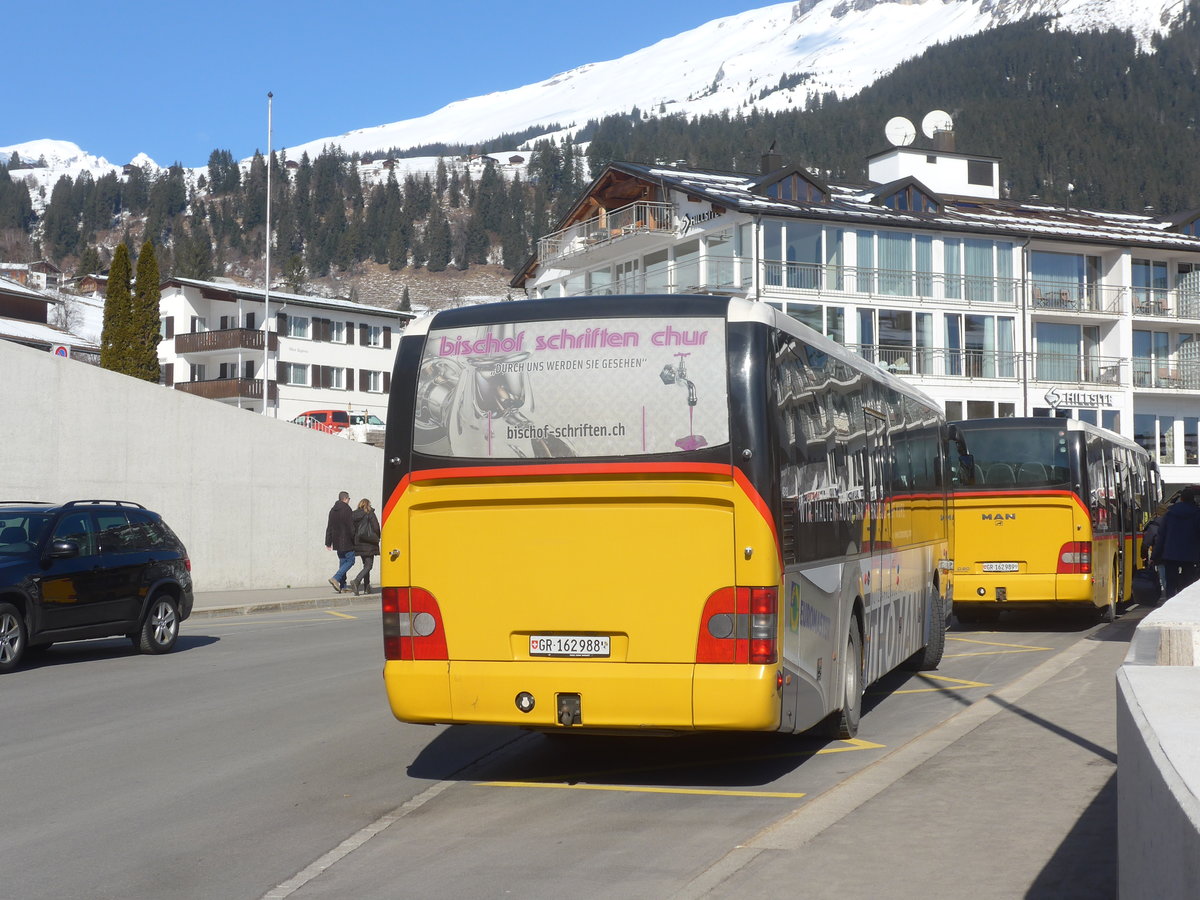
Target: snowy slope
[843, 45]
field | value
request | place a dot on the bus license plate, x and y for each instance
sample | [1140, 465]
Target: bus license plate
[568, 645]
[1001, 567]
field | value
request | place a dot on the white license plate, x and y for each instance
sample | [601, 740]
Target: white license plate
[1002, 567]
[568, 645]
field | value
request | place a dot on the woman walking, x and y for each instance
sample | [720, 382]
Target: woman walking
[366, 544]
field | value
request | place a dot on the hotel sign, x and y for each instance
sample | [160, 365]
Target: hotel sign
[1080, 399]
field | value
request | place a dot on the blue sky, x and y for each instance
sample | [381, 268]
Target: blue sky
[178, 80]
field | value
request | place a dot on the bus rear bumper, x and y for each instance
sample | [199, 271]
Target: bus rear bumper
[612, 696]
[1024, 590]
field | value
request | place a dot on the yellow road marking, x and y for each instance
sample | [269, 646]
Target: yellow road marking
[640, 790]
[1008, 648]
[855, 744]
[954, 684]
[340, 615]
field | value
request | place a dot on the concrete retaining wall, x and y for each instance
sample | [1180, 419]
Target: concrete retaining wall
[1158, 745]
[247, 494]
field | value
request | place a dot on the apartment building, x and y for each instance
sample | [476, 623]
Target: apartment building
[322, 353]
[991, 306]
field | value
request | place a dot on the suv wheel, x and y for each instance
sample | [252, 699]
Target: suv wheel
[161, 627]
[12, 637]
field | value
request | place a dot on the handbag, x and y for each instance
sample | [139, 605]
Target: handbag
[1145, 586]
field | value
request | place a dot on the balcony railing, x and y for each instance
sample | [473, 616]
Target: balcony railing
[225, 339]
[1181, 303]
[229, 388]
[1149, 373]
[1071, 296]
[609, 226]
[786, 277]
[941, 361]
[1066, 368]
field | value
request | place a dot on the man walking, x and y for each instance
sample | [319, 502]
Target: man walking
[339, 537]
[1178, 543]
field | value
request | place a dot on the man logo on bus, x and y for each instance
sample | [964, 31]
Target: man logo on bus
[998, 518]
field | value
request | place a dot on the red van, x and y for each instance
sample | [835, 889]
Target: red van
[330, 421]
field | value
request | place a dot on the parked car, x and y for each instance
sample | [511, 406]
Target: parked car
[89, 569]
[333, 421]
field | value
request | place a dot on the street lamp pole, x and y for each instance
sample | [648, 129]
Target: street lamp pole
[267, 274]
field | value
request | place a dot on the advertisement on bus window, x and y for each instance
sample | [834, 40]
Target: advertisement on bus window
[573, 388]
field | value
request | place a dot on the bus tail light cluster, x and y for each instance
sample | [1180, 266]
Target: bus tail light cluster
[1075, 558]
[740, 625]
[412, 625]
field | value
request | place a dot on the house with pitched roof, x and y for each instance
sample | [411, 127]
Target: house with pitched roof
[323, 353]
[992, 306]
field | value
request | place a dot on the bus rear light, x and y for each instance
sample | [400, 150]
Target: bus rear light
[764, 624]
[1075, 558]
[412, 625]
[740, 625]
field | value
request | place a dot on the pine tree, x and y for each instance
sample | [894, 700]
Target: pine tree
[89, 262]
[437, 240]
[405, 304]
[142, 354]
[117, 301]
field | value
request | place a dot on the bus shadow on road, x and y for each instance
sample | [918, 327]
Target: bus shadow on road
[720, 762]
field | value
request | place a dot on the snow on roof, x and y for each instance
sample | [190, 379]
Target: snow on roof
[256, 293]
[20, 330]
[849, 202]
[8, 286]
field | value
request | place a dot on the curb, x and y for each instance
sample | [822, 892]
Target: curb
[214, 612]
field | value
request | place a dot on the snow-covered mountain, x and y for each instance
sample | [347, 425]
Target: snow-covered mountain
[733, 63]
[728, 64]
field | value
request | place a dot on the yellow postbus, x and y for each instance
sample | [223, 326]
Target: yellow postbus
[1049, 515]
[654, 514]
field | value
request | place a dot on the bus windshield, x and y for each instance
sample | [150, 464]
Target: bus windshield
[573, 388]
[1007, 457]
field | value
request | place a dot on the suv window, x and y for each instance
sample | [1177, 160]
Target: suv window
[147, 532]
[115, 534]
[77, 527]
[20, 534]
[340, 418]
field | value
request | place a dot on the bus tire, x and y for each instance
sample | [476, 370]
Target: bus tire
[930, 656]
[1108, 612]
[843, 724]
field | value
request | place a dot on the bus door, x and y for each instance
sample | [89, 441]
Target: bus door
[879, 531]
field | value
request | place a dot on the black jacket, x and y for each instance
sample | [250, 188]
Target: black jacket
[366, 548]
[339, 532]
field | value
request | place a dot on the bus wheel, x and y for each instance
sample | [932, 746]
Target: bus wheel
[1108, 612]
[930, 656]
[844, 723]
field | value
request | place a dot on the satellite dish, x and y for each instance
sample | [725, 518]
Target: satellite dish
[899, 131]
[935, 121]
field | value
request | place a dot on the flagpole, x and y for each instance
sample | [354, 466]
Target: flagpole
[267, 274]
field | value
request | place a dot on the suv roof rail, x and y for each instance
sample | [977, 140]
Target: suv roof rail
[25, 502]
[104, 503]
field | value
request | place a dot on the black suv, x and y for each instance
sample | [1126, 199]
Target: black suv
[89, 569]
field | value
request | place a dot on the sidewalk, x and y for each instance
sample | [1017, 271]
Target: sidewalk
[209, 604]
[1013, 797]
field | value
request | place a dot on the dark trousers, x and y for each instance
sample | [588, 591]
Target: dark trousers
[1180, 575]
[363, 578]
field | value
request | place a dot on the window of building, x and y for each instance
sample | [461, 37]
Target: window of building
[196, 372]
[980, 346]
[298, 327]
[374, 382]
[1149, 284]
[980, 171]
[827, 320]
[954, 410]
[1063, 280]
[629, 277]
[1151, 359]
[337, 332]
[1066, 353]
[719, 252]
[293, 373]
[199, 324]
[978, 270]
[600, 281]
[374, 335]
[793, 187]
[687, 266]
[658, 274]
[911, 198]
[793, 253]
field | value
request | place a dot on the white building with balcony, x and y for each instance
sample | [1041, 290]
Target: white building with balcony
[992, 307]
[324, 354]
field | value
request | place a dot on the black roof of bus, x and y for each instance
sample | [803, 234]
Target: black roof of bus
[610, 306]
